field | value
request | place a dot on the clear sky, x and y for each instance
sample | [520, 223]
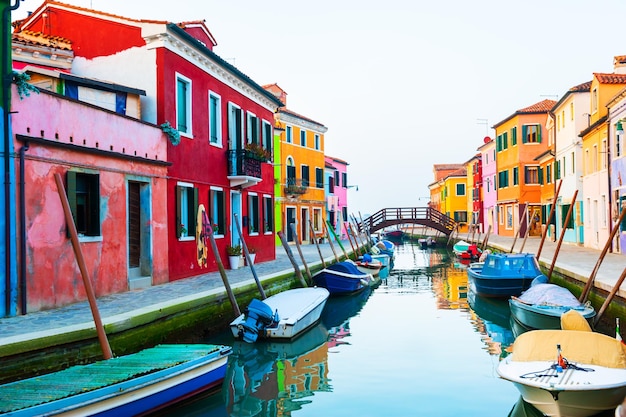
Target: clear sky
[402, 85]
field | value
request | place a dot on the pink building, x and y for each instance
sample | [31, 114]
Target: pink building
[488, 189]
[337, 194]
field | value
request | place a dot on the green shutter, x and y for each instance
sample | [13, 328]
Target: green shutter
[524, 134]
[538, 133]
[178, 213]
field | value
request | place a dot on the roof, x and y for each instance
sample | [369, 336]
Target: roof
[40, 39]
[611, 78]
[543, 106]
[443, 167]
[299, 116]
[580, 88]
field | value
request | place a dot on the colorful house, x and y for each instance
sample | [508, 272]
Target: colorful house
[570, 117]
[595, 151]
[337, 194]
[489, 193]
[474, 189]
[617, 119]
[220, 124]
[454, 198]
[302, 172]
[520, 138]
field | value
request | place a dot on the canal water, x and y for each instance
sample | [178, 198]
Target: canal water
[418, 345]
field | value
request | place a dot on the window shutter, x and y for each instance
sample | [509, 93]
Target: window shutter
[524, 134]
[540, 175]
[94, 205]
[538, 133]
[193, 211]
[178, 213]
[71, 195]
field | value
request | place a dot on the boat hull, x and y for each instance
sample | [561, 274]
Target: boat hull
[138, 395]
[497, 286]
[298, 310]
[503, 275]
[532, 317]
[570, 393]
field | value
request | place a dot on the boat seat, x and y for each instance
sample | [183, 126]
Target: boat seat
[573, 320]
[578, 347]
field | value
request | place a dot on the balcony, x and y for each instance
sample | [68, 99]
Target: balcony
[296, 187]
[244, 168]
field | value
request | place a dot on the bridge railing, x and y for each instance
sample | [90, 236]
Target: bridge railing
[421, 215]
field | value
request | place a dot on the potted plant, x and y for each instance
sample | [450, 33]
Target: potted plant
[252, 254]
[234, 253]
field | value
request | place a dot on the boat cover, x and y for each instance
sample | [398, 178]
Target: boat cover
[590, 348]
[549, 295]
[573, 320]
[346, 268]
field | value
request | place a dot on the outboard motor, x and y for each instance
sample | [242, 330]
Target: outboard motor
[258, 316]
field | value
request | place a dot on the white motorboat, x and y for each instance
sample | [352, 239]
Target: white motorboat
[567, 372]
[282, 316]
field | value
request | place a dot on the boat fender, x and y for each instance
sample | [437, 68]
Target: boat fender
[367, 258]
[539, 279]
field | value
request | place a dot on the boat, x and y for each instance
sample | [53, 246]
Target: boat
[385, 247]
[466, 250]
[343, 278]
[134, 384]
[543, 304]
[504, 274]
[396, 234]
[368, 265]
[282, 316]
[567, 372]
[427, 242]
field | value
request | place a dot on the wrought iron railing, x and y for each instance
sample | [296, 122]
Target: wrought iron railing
[242, 163]
[295, 186]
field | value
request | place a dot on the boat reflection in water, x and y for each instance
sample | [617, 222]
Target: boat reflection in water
[274, 378]
[492, 320]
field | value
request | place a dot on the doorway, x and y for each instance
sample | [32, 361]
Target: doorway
[139, 235]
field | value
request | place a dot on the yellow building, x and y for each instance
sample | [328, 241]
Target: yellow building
[454, 198]
[300, 173]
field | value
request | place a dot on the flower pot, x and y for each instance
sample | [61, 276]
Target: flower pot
[252, 257]
[233, 261]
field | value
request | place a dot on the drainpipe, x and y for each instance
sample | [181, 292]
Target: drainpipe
[22, 273]
[6, 79]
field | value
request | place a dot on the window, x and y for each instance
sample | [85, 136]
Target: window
[594, 100]
[83, 194]
[317, 142]
[331, 184]
[252, 128]
[344, 179]
[503, 179]
[183, 104]
[319, 177]
[563, 118]
[505, 140]
[317, 219]
[303, 137]
[603, 155]
[344, 212]
[548, 174]
[337, 183]
[460, 216]
[216, 208]
[186, 203]
[268, 214]
[235, 126]
[594, 162]
[215, 119]
[509, 217]
[570, 223]
[514, 136]
[515, 175]
[268, 137]
[291, 172]
[288, 134]
[253, 214]
[304, 170]
[460, 190]
[573, 156]
[531, 134]
[571, 111]
[531, 175]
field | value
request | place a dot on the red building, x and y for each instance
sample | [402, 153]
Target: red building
[221, 123]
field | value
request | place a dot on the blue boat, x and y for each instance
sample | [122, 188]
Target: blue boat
[504, 275]
[342, 278]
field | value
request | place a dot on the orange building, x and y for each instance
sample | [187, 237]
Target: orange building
[520, 139]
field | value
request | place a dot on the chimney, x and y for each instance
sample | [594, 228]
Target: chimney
[619, 64]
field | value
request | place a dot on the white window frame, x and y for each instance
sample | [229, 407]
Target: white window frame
[218, 120]
[250, 118]
[317, 142]
[189, 132]
[303, 138]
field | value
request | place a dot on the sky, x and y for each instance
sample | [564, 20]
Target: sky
[402, 85]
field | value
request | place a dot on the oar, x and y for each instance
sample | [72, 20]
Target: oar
[102, 337]
[296, 268]
[248, 259]
[609, 298]
[297, 240]
[585, 293]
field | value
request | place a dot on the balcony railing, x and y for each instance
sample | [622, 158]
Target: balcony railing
[296, 186]
[243, 163]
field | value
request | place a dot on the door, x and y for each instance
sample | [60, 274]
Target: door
[235, 208]
[290, 215]
[134, 225]
[304, 224]
[139, 234]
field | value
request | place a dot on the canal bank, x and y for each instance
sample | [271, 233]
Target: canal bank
[49, 340]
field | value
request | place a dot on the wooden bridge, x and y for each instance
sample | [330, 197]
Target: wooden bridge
[424, 216]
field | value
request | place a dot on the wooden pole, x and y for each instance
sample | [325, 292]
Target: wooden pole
[452, 234]
[330, 241]
[246, 253]
[102, 337]
[609, 298]
[521, 220]
[349, 230]
[585, 293]
[220, 266]
[296, 268]
[368, 234]
[486, 238]
[316, 243]
[338, 240]
[563, 229]
[545, 232]
[521, 249]
[297, 240]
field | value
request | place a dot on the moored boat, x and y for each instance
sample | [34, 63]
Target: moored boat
[466, 250]
[343, 278]
[282, 316]
[368, 265]
[567, 372]
[134, 384]
[504, 274]
[543, 304]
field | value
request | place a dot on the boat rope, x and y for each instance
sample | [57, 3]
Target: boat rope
[542, 373]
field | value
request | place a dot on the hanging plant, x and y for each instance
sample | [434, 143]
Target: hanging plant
[171, 133]
[24, 88]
